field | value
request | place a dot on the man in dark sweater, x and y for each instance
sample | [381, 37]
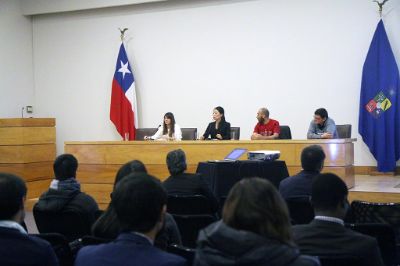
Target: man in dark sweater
[65, 193]
[326, 234]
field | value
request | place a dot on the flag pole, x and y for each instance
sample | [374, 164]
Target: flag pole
[125, 29]
[380, 5]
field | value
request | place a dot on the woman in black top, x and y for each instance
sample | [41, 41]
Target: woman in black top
[220, 129]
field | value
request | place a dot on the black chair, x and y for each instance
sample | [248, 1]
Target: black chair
[71, 224]
[340, 261]
[184, 252]
[372, 212]
[92, 240]
[300, 209]
[142, 132]
[60, 246]
[344, 131]
[285, 132]
[189, 133]
[190, 226]
[235, 133]
[385, 236]
[190, 204]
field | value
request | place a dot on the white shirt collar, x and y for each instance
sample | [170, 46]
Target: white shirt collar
[13, 225]
[329, 219]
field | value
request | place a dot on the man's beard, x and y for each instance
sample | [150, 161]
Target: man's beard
[261, 120]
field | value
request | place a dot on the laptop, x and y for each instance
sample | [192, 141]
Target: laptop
[232, 156]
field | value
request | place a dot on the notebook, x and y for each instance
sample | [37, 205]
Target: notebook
[232, 156]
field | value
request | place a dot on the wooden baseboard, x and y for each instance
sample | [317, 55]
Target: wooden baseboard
[372, 170]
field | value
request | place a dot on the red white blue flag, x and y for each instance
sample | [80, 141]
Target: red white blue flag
[123, 97]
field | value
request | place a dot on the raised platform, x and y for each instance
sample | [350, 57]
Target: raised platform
[376, 188]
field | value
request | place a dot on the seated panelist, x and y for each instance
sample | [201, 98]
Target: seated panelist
[266, 128]
[169, 131]
[322, 126]
[219, 129]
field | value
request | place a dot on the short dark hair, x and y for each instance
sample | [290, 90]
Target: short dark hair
[65, 166]
[130, 167]
[312, 158]
[176, 162]
[322, 112]
[265, 111]
[138, 202]
[12, 193]
[254, 205]
[327, 191]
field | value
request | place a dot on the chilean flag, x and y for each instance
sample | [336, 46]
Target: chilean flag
[123, 98]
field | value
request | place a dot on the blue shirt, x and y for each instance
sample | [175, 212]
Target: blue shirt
[315, 131]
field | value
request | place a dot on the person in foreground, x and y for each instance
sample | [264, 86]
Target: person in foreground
[108, 227]
[312, 162]
[326, 234]
[169, 130]
[184, 184]
[140, 205]
[16, 246]
[65, 192]
[266, 128]
[219, 129]
[254, 230]
[322, 127]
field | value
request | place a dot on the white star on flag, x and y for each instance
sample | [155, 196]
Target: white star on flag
[124, 69]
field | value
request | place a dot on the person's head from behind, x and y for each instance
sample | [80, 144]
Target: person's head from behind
[65, 166]
[219, 114]
[320, 116]
[329, 195]
[12, 197]
[262, 115]
[254, 205]
[130, 167]
[312, 158]
[140, 203]
[176, 162]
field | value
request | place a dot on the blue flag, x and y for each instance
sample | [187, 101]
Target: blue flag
[379, 121]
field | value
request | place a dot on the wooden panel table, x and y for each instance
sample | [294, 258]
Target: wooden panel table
[99, 161]
[28, 149]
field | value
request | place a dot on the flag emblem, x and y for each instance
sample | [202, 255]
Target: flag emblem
[379, 104]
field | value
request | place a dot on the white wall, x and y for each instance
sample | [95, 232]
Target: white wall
[16, 74]
[190, 56]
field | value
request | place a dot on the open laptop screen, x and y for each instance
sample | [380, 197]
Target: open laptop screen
[235, 154]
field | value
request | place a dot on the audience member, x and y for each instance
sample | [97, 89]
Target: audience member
[322, 127]
[219, 129]
[65, 192]
[312, 162]
[16, 246]
[266, 128]
[254, 230]
[139, 201]
[108, 227]
[181, 183]
[326, 234]
[168, 131]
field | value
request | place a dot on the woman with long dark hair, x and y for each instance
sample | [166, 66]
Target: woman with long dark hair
[219, 129]
[254, 230]
[169, 130]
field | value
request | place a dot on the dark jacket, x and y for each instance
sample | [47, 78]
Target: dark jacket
[61, 200]
[190, 184]
[324, 238]
[224, 128]
[128, 249]
[107, 227]
[297, 185]
[220, 245]
[17, 248]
